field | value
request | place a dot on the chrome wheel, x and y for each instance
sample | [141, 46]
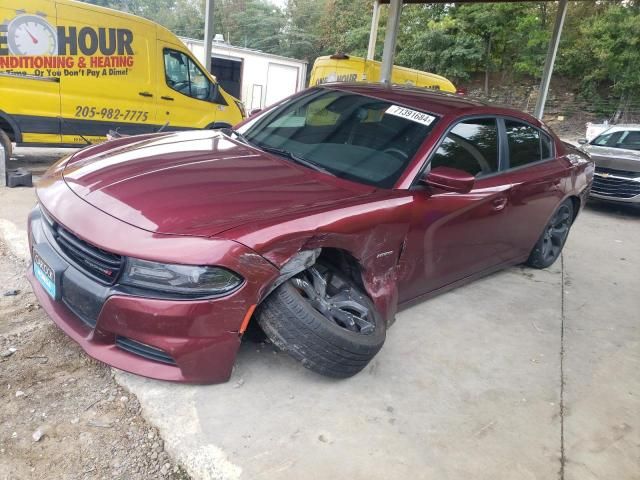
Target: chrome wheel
[335, 299]
[556, 233]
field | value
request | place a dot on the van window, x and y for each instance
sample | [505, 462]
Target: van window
[184, 76]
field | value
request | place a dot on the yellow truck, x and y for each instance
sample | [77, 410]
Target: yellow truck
[70, 72]
[347, 68]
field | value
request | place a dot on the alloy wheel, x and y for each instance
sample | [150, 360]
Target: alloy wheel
[335, 299]
[556, 233]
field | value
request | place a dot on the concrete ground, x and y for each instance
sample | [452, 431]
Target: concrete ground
[522, 375]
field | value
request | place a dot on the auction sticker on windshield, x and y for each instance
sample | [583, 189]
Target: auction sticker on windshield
[413, 115]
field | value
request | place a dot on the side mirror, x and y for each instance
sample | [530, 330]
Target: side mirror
[583, 141]
[253, 111]
[449, 179]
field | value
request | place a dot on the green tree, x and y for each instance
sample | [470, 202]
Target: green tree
[344, 26]
[604, 52]
[301, 35]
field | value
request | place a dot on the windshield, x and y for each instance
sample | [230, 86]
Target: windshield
[352, 136]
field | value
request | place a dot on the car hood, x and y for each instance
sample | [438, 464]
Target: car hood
[615, 158]
[197, 183]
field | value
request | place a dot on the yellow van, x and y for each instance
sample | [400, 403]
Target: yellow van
[70, 72]
[346, 68]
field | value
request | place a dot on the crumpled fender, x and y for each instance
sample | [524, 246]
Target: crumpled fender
[372, 230]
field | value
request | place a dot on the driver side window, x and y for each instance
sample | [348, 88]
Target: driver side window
[471, 146]
[184, 76]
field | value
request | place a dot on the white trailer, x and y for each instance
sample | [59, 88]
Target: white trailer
[259, 79]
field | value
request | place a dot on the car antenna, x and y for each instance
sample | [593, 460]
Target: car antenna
[163, 127]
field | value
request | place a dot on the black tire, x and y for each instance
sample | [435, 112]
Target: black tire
[294, 325]
[549, 246]
[6, 144]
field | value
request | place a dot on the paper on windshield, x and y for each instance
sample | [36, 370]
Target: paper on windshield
[413, 115]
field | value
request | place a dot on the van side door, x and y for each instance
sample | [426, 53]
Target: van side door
[112, 81]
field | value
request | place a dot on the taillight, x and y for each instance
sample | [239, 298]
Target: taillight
[461, 91]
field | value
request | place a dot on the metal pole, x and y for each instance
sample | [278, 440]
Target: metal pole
[390, 38]
[208, 34]
[373, 33]
[3, 167]
[550, 60]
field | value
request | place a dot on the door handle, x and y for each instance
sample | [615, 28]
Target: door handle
[145, 94]
[499, 203]
[167, 98]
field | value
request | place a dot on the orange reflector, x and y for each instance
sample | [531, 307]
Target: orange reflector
[245, 321]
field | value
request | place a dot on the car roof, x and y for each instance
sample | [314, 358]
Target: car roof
[433, 101]
[621, 126]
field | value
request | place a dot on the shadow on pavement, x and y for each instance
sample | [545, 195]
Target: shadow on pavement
[611, 208]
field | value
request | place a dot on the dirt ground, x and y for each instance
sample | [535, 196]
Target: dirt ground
[62, 416]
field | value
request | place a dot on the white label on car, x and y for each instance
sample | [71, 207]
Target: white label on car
[413, 115]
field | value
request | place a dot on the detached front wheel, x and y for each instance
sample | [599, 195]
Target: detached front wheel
[321, 318]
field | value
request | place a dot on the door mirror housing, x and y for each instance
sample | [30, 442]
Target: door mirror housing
[449, 179]
[583, 141]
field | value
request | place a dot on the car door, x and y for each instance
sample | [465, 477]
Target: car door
[455, 235]
[536, 175]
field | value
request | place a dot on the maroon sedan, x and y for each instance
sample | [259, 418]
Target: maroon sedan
[317, 218]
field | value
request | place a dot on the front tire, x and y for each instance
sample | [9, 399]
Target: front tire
[323, 320]
[549, 246]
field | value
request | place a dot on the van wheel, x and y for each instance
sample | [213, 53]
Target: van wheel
[322, 319]
[6, 144]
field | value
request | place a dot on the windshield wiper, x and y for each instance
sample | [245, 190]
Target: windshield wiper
[228, 131]
[296, 158]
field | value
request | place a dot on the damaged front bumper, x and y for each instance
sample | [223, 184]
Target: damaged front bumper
[183, 340]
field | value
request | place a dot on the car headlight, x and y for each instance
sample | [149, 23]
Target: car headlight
[181, 279]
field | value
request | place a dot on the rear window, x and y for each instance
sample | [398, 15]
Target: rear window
[527, 144]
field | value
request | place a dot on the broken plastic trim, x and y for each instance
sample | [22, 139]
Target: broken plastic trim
[296, 264]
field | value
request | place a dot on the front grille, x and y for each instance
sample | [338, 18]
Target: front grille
[144, 350]
[615, 183]
[619, 173]
[101, 265]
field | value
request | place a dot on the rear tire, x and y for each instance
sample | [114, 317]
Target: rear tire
[550, 244]
[292, 319]
[8, 148]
